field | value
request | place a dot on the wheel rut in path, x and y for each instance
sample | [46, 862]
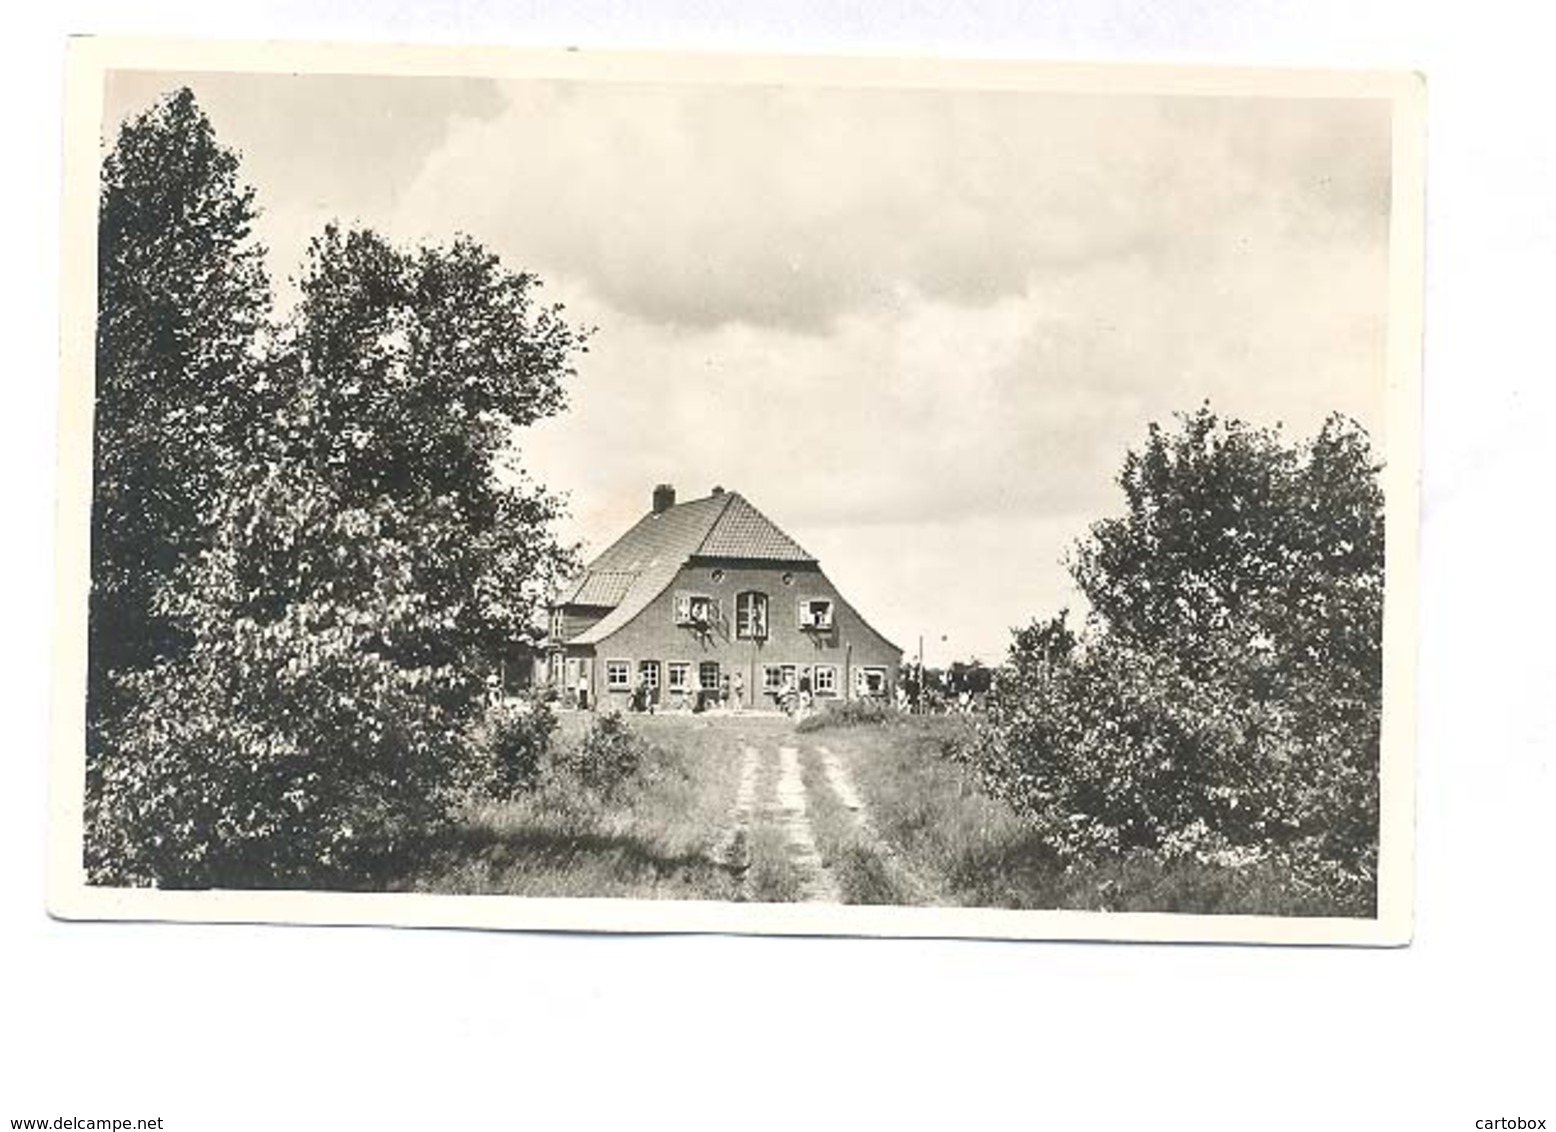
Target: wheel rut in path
[791, 814]
[733, 851]
[913, 886]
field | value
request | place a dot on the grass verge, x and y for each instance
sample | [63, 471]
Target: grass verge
[653, 839]
[980, 853]
[859, 863]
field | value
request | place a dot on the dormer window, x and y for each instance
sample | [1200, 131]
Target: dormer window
[815, 613]
[696, 610]
[751, 616]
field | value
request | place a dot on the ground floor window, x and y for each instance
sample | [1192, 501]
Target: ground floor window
[826, 679]
[618, 675]
[772, 678]
[708, 674]
[870, 681]
[680, 673]
[648, 674]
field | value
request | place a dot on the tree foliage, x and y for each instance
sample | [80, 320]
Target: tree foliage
[1230, 530]
[366, 550]
[1224, 701]
[413, 370]
[182, 302]
[970, 676]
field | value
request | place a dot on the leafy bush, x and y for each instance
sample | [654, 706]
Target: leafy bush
[1120, 749]
[509, 746]
[316, 716]
[1224, 705]
[608, 756]
[851, 713]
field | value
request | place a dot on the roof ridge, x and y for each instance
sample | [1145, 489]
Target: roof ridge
[760, 515]
[729, 497]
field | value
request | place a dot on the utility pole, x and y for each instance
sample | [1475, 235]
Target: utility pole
[918, 677]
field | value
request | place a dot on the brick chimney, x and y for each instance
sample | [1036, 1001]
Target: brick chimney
[664, 498]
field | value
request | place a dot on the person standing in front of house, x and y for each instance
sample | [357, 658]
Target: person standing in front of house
[739, 686]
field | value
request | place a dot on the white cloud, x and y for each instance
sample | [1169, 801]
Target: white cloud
[782, 206]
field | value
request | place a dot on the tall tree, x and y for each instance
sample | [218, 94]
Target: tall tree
[182, 300]
[369, 555]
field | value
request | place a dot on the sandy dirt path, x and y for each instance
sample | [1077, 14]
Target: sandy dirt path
[733, 852]
[791, 813]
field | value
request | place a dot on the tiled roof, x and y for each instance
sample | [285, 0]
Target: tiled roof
[671, 534]
[641, 564]
[744, 532]
[601, 588]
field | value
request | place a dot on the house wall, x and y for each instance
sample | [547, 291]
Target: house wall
[567, 669]
[574, 619]
[850, 645]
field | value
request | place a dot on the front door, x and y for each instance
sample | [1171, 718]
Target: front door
[708, 679]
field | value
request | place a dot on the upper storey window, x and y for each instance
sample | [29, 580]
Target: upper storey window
[697, 610]
[816, 613]
[751, 616]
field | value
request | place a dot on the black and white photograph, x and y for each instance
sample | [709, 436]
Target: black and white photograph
[644, 493]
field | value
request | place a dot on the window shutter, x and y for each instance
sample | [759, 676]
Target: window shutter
[683, 608]
[812, 618]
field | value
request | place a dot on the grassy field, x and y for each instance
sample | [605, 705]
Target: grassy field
[925, 834]
[659, 838]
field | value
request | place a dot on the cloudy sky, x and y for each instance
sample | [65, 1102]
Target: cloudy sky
[918, 329]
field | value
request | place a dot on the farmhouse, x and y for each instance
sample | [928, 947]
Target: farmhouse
[709, 603]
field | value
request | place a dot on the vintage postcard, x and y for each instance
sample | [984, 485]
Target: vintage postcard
[634, 492]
